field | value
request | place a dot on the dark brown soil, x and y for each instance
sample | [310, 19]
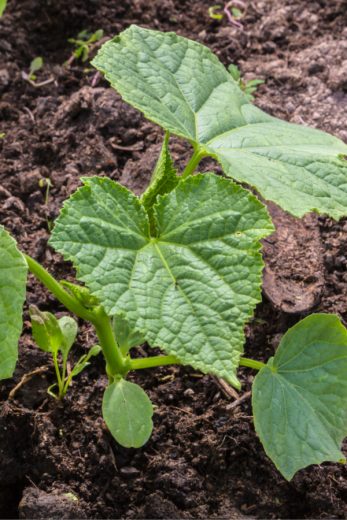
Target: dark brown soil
[57, 460]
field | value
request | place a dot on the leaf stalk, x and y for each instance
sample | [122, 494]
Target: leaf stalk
[193, 162]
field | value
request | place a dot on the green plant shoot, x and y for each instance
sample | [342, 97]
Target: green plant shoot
[83, 43]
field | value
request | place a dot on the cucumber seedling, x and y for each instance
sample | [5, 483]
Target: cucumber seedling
[83, 44]
[180, 267]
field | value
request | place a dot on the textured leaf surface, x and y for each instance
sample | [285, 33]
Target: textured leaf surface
[183, 87]
[300, 397]
[128, 411]
[13, 275]
[164, 180]
[193, 287]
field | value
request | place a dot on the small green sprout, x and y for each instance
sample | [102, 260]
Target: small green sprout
[2, 135]
[83, 44]
[46, 183]
[213, 12]
[248, 87]
[35, 66]
[233, 10]
[57, 337]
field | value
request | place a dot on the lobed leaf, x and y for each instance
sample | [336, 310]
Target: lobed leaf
[300, 396]
[192, 287]
[13, 275]
[183, 87]
[128, 411]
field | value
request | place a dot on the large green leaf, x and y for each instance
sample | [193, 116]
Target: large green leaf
[192, 287]
[300, 396]
[13, 275]
[128, 411]
[183, 87]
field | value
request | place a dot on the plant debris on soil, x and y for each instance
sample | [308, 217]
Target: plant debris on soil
[204, 459]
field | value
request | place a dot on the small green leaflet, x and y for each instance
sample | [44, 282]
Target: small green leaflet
[192, 288]
[183, 87]
[164, 180]
[84, 360]
[128, 411]
[51, 334]
[13, 276]
[300, 396]
[45, 329]
[126, 336]
[69, 329]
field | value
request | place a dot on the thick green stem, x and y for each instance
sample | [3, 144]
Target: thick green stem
[155, 361]
[116, 363]
[193, 162]
[57, 289]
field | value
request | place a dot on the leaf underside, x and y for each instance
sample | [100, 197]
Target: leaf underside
[13, 276]
[128, 411]
[180, 85]
[300, 397]
[192, 287]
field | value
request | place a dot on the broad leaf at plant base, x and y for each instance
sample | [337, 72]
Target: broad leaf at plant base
[183, 87]
[13, 276]
[192, 287]
[127, 411]
[300, 396]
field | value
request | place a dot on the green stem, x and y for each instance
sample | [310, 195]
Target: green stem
[57, 372]
[116, 363]
[251, 363]
[154, 361]
[193, 162]
[57, 289]
[158, 361]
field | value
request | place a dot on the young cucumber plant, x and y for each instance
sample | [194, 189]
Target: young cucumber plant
[180, 267]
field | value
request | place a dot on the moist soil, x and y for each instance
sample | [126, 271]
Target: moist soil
[204, 459]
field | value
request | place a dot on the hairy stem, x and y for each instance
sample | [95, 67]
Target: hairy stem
[193, 162]
[57, 289]
[116, 362]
